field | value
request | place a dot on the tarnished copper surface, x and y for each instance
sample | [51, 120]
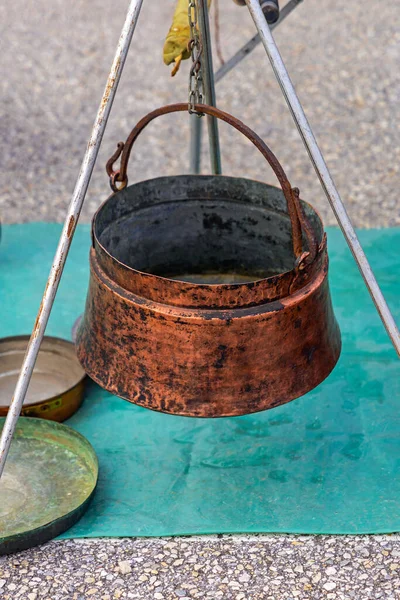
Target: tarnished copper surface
[207, 363]
[207, 349]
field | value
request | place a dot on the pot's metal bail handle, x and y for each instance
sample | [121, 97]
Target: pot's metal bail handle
[298, 219]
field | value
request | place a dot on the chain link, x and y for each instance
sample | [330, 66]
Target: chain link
[195, 48]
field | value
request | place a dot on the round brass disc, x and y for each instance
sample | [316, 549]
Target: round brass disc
[50, 475]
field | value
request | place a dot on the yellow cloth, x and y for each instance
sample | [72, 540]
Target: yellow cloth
[176, 42]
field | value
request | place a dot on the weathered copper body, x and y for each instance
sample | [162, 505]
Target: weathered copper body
[153, 335]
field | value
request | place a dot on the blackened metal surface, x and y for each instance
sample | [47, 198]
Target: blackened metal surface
[298, 219]
[173, 225]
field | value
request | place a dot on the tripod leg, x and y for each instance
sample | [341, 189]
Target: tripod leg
[71, 220]
[255, 40]
[322, 170]
[196, 127]
[209, 87]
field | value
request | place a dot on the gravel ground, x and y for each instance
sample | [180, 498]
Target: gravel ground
[344, 62]
[234, 568]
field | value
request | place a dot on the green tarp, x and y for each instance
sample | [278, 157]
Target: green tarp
[325, 463]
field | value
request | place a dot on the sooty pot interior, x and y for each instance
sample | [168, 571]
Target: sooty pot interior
[199, 229]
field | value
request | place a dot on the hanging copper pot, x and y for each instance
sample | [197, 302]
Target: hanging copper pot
[208, 295]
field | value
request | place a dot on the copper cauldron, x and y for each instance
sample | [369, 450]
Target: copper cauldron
[208, 295]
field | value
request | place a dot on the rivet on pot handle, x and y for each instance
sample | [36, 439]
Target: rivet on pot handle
[297, 217]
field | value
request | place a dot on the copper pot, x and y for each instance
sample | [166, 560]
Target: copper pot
[208, 295]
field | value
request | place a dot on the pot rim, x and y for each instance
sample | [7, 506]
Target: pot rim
[144, 283]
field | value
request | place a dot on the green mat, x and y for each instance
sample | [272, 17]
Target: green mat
[325, 463]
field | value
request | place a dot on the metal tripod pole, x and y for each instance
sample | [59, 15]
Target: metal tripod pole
[253, 43]
[208, 83]
[322, 170]
[195, 144]
[68, 231]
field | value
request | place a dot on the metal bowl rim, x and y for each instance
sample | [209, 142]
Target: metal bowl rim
[50, 398]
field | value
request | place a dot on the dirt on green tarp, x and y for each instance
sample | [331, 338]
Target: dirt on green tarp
[325, 463]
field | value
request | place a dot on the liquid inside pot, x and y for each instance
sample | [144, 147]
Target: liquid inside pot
[215, 277]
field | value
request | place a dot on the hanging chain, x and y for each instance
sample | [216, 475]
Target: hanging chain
[196, 49]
